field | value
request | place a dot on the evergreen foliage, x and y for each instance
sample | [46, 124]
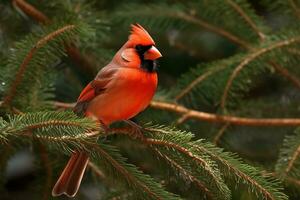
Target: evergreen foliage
[222, 59]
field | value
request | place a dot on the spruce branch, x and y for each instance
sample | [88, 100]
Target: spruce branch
[220, 133]
[285, 73]
[172, 12]
[230, 165]
[247, 19]
[250, 58]
[293, 159]
[197, 81]
[24, 64]
[81, 61]
[241, 121]
[289, 157]
[209, 117]
[161, 138]
[295, 8]
[203, 24]
[186, 173]
[96, 170]
[233, 167]
[31, 11]
[212, 182]
[135, 178]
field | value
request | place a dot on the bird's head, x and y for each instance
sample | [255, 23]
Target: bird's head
[140, 50]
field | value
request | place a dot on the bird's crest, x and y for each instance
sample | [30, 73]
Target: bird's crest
[139, 36]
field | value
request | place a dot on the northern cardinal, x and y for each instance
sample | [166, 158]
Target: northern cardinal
[121, 90]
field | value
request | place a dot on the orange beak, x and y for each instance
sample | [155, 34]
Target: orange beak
[152, 54]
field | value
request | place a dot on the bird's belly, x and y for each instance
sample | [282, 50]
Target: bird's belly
[123, 101]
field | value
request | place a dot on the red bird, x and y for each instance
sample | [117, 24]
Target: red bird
[121, 90]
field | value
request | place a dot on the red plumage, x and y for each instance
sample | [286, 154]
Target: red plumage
[120, 91]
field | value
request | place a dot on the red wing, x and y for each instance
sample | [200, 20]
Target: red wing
[98, 85]
[94, 88]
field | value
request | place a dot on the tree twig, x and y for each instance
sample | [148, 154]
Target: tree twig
[31, 11]
[248, 59]
[20, 72]
[73, 52]
[294, 8]
[195, 82]
[220, 133]
[292, 161]
[210, 117]
[284, 72]
[96, 170]
[212, 28]
[239, 10]
[241, 121]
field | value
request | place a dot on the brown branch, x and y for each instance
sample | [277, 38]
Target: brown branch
[279, 176]
[292, 180]
[250, 58]
[295, 8]
[197, 159]
[96, 170]
[293, 160]
[186, 173]
[241, 121]
[236, 171]
[215, 29]
[73, 52]
[195, 82]
[52, 123]
[283, 71]
[241, 12]
[21, 71]
[182, 119]
[31, 11]
[123, 171]
[295, 51]
[220, 133]
[210, 117]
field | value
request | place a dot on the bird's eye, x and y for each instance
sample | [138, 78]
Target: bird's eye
[142, 48]
[139, 47]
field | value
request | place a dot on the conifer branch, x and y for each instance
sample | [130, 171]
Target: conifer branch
[31, 11]
[181, 149]
[295, 8]
[186, 173]
[284, 72]
[182, 119]
[248, 20]
[196, 81]
[22, 69]
[241, 121]
[79, 60]
[53, 123]
[220, 133]
[125, 173]
[251, 57]
[293, 181]
[96, 170]
[292, 160]
[203, 24]
[209, 117]
[237, 171]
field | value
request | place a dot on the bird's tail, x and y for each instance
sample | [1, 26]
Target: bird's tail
[70, 179]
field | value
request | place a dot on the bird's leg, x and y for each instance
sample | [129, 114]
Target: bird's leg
[137, 129]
